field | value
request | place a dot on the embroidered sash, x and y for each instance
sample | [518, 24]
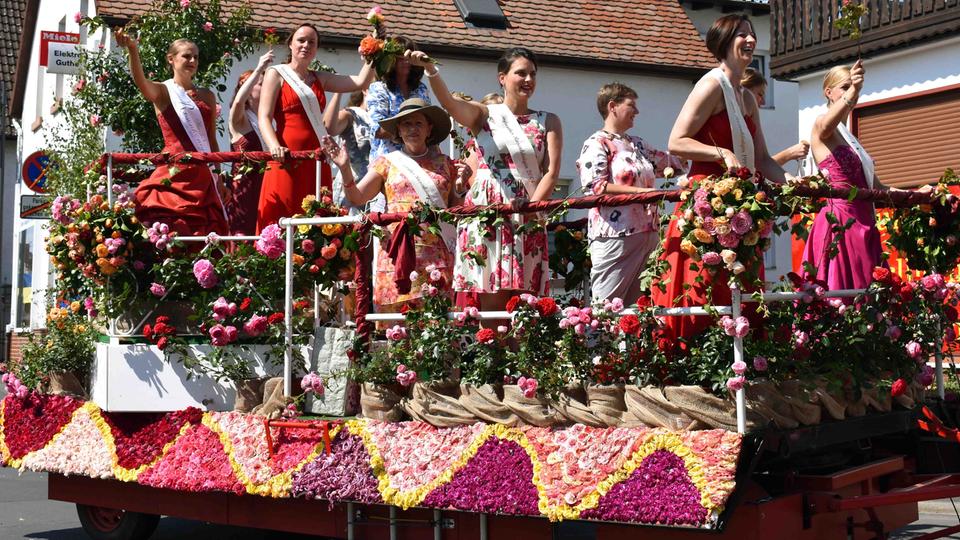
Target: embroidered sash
[742, 140]
[426, 189]
[189, 115]
[311, 104]
[510, 138]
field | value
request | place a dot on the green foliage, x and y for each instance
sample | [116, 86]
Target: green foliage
[927, 234]
[570, 258]
[68, 345]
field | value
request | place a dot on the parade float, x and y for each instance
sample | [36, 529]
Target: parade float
[245, 380]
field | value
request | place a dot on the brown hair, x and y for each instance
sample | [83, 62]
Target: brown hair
[414, 76]
[613, 93]
[722, 31]
[835, 76]
[290, 37]
[752, 79]
[356, 99]
[510, 55]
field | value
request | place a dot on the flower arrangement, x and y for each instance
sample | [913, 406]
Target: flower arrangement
[67, 346]
[926, 235]
[726, 224]
[321, 253]
[849, 18]
[377, 48]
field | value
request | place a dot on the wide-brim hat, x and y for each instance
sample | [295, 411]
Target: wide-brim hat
[437, 117]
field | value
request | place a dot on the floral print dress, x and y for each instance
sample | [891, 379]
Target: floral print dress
[430, 248]
[490, 259]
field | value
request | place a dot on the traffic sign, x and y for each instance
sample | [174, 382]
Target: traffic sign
[34, 171]
[34, 207]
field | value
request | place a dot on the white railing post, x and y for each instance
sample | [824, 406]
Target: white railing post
[317, 178]
[110, 179]
[288, 311]
[736, 306]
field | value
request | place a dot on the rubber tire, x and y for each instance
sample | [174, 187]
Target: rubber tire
[130, 526]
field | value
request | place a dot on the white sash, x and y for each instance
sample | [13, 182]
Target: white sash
[189, 115]
[742, 140]
[311, 104]
[865, 159]
[254, 125]
[510, 138]
[426, 189]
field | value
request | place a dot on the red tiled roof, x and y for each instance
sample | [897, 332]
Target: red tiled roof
[651, 34]
[12, 13]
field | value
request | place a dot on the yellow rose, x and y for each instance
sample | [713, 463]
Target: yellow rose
[304, 229]
[738, 194]
[75, 306]
[751, 238]
[308, 202]
[687, 247]
[703, 236]
[332, 229]
[717, 204]
[81, 328]
[723, 187]
[684, 195]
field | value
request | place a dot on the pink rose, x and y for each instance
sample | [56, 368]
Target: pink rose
[914, 350]
[205, 273]
[528, 386]
[218, 335]
[729, 240]
[739, 367]
[736, 383]
[308, 246]
[405, 376]
[94, 120]
[741, 327]
[702, 208]
[312, 382]
[741, 223]
[270, 244]
[157, 289]
[800, 338]
[207, 26]
[184, 4]
[760, 363]
[256, 325]
[396, 333]
[77, 17]
[711, 258]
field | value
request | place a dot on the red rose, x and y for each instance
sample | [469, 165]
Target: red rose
[950, 313]
[547, 307]
[245, 304]
[513, 303]
[643, 302]
[629, 324]
[404, 308]
[163, 319]
[147, 331]
[162, 343]
[743, 173]
[881, 274]
[486, 335]
[470, 300]
[275, 318]
[898, 388]
[301, 304]
[906, 292]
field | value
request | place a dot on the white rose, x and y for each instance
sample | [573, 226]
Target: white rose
[729, 256]
[730, 212]
[688, 214]
[668, 172]
[738, 267]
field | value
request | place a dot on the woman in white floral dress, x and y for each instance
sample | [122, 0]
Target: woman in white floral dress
[516, 158]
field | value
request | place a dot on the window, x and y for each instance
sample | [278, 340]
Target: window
[482, 13]
[761, 63]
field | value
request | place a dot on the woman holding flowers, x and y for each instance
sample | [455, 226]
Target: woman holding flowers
[614, 162]
[518, 159]
[293, 97]
[417, 173]
[719, 130]
[245, 137]
[188, 198]
[844, 161]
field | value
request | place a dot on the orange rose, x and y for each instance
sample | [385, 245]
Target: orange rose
[297, 259]
[370, 46]
[102, 250]
[328, 251]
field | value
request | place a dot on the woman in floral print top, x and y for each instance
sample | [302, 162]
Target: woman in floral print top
[611, 161]
[517, 159]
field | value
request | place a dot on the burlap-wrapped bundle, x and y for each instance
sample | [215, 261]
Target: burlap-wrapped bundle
[67, 383]
[381, 402]
[486, 403]
[855, 406]
[608, 403]
[648, 405]
[804, 411]
[437, 403]
[877, 400]
[764, 399]
[249, 394]
[273, 399]
[835, 407]
[536, 411]
[715, 412]
[572, 404]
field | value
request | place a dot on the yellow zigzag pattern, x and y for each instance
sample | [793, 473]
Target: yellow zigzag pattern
[406, 499]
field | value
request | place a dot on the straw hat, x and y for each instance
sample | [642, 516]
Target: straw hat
[437, 117]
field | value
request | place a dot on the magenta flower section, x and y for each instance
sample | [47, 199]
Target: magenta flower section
[499, 479]
[344, 476]
[659, 491]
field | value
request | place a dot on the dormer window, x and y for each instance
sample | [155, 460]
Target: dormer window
[482, 13]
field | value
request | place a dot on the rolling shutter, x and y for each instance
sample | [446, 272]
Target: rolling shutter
[913, 139]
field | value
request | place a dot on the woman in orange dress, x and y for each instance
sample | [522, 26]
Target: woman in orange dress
[188, 198]
[718, 128]
[292, 95]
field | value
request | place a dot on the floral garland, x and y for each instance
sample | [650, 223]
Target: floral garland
[573, 473]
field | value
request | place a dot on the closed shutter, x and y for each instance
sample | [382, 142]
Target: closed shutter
[914, 139]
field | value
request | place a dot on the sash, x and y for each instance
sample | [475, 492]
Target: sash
[510, 138]
[426, 189]
[189, 115]
[742, 140]
[309, 100]
[865, 159]
[254, 124]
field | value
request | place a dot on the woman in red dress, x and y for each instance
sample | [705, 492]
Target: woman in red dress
[715, 141]
[187, 198]
[292, 95]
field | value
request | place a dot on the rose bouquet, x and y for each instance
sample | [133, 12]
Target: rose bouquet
[726, 224]
[378, 49]
[927, 234]
[322, 254]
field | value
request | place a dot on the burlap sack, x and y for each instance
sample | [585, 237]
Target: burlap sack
[536, 411]
[907, 399]
[67, 383]
[715, 412]
[572, 404]
[273, 399]
[806, 413]
[648, 405]
[486, 403]
[834, 408]
[856, 407]
[877, 400]
[437, 403]
[764, 399]
[381, 402]
[608, 403]
[249, 394]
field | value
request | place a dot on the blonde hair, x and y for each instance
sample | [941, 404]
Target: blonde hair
[492, 98]
[175, 47]
[752, 79]
[835, 76]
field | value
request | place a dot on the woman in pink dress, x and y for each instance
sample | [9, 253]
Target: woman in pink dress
[717, 129]
[188, 198]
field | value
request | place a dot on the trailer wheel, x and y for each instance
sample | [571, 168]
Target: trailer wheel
[108, 524]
